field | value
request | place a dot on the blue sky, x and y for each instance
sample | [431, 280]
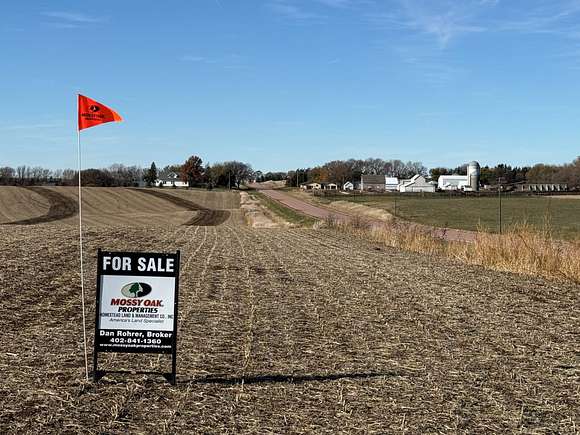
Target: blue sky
[292, 83]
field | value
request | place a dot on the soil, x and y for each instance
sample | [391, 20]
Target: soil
[60, 207]
[289, 331]
[117, 206]
[204, 216]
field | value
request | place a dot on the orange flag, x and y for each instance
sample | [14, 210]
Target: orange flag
[93, 113]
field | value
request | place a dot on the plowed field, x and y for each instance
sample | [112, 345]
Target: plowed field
[288, 331]
[117, 206]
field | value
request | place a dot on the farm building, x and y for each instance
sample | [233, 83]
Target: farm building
[468, 182]
[391, 184]
[416, 184]
[348, 186]
[453, 182]
[375, 183]
[170, 180]
[329, 186]
[311, 186]
[542, 187]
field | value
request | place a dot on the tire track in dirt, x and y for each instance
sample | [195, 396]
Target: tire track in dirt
[209, 218]
[192, 329]
[204, 217]
[60, 207]
[282, 318]
[331, 303]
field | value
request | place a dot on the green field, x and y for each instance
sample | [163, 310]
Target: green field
[470, 213]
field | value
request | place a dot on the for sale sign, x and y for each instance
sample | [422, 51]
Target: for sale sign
[136, 302]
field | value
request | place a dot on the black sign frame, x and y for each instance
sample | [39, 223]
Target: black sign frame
[98, 374]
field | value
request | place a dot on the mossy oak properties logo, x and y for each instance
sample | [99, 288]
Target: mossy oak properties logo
[136, 290]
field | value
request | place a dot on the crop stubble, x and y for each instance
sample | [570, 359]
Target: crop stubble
[291, 330]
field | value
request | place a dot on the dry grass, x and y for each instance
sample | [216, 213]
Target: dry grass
[522, 248]
[256, 215]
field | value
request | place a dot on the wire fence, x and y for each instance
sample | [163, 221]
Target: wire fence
[557, 213]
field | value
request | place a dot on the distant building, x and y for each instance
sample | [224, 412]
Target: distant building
[469, 182]
[348, 186]
[330, 186]
[542, 187]
[416, 184]
[170, 180]
[453, 182]
[373, 183]
[391, 184]
[311, 186]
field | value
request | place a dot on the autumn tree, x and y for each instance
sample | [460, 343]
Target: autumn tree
[192, 171]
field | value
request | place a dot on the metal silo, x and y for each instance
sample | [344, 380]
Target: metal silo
[473, 175]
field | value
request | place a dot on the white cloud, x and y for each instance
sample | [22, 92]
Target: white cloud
[189, 58]
[445, 20]
[72, 17]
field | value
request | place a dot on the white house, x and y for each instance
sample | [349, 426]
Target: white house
[170, 180]
[348, 186]
[453, 182]
[330, 186]
[416, 184]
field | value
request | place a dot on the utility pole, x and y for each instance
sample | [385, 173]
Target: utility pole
[499, 193]
[499, 189]
[297, 185]
[230, 180]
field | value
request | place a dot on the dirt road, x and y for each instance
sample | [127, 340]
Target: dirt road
[303, 206]
[449, 234]
[290, 331]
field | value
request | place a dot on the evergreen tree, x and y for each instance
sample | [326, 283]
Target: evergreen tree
[151, 174]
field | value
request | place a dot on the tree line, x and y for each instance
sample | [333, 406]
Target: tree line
[341, 171]
[234, 173]
[567, 173]
[223, 174]
[192, 171]
[115, 175]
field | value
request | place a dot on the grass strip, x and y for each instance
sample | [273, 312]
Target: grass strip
[286, 213]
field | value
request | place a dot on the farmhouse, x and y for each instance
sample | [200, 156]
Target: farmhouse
[348, 186]
[170, 180]
[416, 184]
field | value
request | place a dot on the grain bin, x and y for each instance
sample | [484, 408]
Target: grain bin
[473, 175]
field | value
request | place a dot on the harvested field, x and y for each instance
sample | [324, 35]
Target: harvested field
[17, 204]
[116, 206]
[291, 330]
[212, 199]
[204, 216]
[59, 207]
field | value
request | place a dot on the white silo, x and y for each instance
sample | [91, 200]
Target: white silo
[473, 175]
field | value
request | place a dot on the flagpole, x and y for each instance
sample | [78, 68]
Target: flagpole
[81, 252]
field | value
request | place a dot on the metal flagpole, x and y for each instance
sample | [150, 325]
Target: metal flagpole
[81, 252]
